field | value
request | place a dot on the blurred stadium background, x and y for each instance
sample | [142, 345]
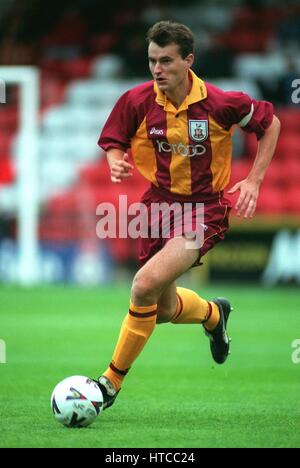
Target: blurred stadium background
[85, 59]
[85, 54]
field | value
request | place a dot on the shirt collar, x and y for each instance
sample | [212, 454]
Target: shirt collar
[198, 93]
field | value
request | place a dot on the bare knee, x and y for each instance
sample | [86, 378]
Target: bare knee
[144, 289]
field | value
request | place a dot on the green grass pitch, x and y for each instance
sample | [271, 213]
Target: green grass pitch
[174, 396]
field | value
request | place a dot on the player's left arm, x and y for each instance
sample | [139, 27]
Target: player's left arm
[249, 187]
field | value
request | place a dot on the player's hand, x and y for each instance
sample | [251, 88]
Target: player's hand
[121, 169]
[246, 204]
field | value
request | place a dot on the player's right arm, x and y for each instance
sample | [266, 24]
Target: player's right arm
[116, 135]
[120, 168]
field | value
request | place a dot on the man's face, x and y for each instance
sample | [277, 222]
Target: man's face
[168, 68]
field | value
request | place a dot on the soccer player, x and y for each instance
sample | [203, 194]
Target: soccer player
[179, 129]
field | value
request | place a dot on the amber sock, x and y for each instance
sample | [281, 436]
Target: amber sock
[135, 332]
[191, 308]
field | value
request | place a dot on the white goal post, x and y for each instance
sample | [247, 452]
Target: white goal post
[28, 79]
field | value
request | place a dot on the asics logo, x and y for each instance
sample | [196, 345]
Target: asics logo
[156, 131]
[181, 149]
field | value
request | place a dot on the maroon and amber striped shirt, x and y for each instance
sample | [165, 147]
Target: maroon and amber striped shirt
[186, 151]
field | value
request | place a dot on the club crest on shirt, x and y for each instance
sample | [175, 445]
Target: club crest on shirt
[198, 130]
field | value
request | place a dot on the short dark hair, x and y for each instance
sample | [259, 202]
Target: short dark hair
[164, 33]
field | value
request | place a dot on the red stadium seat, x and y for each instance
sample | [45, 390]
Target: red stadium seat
[69, 31]
[290, 120]
[271, 200]
[252, 17]
[9, 118]
[288, 147]
[63, 202]
[96, 173]
[250, 145]
[292, 199]
[52, 89]
[239, 170]
[7, 173]
[291, 172]
[103, 43]
[276, 175]
[247, 41]
[6, 138]
[76, 68]
[68, 69]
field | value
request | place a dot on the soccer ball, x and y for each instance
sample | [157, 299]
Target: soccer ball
[76, 401]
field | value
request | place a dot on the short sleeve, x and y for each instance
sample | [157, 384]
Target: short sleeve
[261, 118]
[239, 109]
[120, 126]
